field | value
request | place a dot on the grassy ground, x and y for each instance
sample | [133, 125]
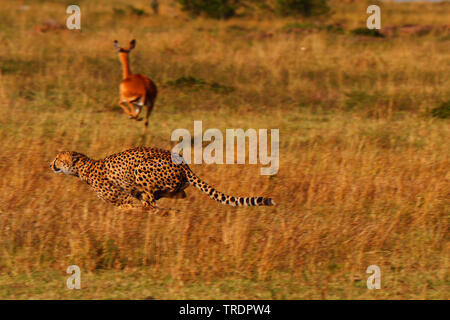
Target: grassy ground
[364, 167]
[140, 284]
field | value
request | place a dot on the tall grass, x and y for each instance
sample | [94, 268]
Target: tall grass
[363, 166]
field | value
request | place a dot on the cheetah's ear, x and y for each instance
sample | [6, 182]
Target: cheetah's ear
[75, 157]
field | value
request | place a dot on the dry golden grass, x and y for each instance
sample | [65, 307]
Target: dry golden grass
[364, 169]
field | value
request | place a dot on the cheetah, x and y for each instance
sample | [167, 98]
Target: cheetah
[145, 174]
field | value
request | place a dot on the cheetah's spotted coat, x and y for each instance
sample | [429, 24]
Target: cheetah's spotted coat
[146, 174]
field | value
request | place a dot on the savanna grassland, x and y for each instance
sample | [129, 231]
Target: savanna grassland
[364, 165]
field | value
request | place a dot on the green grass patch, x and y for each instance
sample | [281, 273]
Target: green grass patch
[367, 32]
[442, 112]
[199, 83]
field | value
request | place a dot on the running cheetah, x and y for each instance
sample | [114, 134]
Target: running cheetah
[146, 174]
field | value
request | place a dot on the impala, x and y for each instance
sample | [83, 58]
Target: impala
[136, 90]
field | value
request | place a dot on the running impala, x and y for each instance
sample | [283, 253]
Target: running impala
[136, 90]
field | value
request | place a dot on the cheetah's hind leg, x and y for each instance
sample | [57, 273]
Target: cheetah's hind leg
[148, 204]
[147, 199]
[126, 207]
[168, 194]
[127, 202]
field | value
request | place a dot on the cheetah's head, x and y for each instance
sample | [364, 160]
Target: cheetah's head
[65, 162]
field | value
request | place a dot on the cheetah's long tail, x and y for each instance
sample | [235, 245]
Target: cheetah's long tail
[222, 197]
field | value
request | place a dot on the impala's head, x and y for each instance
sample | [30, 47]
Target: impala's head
[65, 162]
[121, 50]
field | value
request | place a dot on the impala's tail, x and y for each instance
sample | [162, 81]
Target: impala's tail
[222, 197]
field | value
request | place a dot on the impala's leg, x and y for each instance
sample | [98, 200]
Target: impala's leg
[149, 110]
[137, 110]
[134, 114]
[138, 106]
[125, 108]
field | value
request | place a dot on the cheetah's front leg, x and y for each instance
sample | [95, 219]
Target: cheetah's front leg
[148, 200]
[115, 195]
